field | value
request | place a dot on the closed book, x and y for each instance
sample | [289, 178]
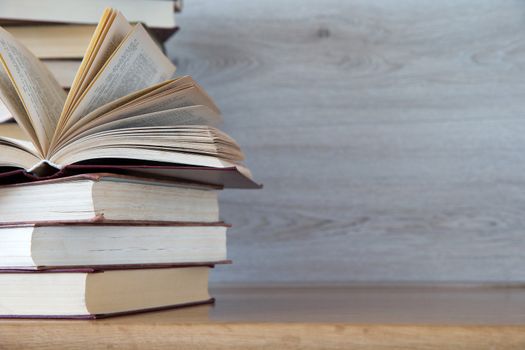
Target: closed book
[65, 42]
[51, 246]
[55, 41]
[106, 198]
[154, 13]
[91, 293]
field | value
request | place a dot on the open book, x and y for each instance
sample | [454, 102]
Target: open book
[124, 111]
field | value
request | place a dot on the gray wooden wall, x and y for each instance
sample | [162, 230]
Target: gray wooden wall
[390, 136]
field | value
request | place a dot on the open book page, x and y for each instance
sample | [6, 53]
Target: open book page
[15, 157]
[175, 97]
[122, 102]
[192, 115]
[19, 143]
[86, 121]
[5, 114]
[144, 142]
[18, 153]
[12, 101]
[197, 139]
[116, 33]
[41, 95]
[136, 64]
[159, 102]
[109, 34]
[143, 154]
[166, 101]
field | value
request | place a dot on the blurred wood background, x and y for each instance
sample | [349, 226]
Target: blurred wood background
[389, 135]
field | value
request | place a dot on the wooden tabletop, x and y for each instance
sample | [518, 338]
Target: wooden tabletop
[357, 317]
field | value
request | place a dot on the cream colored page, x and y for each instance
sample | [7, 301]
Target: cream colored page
[180, 92]
[142, 154]
[92, 118]
[185, 98]
[114, 37]
[14, 156]
[11, 100]
[168, 105]
[111, 31]
[5, 113]
[192, 139]
[125, 101]
[16, 152]
[109, 107]
[18, 143]
[168, 95]
[190, 115]
[194, 115]
[137, 64]
[171, 94]
[101, 28]
[39, 92]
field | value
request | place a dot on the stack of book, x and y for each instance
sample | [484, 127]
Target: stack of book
[102, 244]
[108, 203]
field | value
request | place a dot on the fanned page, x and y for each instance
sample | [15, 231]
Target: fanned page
[109, 34]
[17, 153]
[157, 104]
[38, 91]
[192, 115]
[5, 114]
[124, 107]
[136, 64]
[16, 107]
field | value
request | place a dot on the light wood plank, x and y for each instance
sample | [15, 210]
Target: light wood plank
[389, 136]
[357, 317]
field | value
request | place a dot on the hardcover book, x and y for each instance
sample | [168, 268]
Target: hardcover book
[37, 247]
[106, 198]
[123, 109]
[90, 293]
[154, 13]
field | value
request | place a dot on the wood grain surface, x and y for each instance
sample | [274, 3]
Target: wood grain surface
[390, 136]
[358, 317]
